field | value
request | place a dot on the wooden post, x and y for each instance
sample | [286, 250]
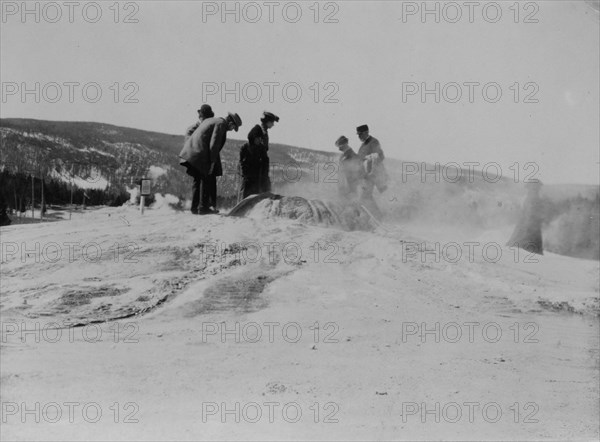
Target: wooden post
[42, 208]
[145, 186]
[32, 196]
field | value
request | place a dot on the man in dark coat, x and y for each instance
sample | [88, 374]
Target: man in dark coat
[351, 169]
[201, 154]
[254, 160]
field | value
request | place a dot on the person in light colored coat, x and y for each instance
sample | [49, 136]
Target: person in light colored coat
[351, 169]
[371, 154]
[204, 112]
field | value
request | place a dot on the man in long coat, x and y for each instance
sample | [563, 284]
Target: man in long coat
[201, 154]
[204, 112]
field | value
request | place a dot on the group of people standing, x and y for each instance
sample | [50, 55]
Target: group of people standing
[360, 172]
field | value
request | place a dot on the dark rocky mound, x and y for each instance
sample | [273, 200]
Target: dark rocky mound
[348, 216]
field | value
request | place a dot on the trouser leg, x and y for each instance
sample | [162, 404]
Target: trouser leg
[205, 194]
[196, 193]
[212, 185]
[244, 187]
[209, 191]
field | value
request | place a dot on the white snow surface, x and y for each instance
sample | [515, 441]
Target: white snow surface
[182, 275]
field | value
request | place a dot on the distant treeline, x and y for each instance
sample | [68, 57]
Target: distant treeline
[16, 193]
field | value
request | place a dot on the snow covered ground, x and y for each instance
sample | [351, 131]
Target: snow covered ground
[270, 329]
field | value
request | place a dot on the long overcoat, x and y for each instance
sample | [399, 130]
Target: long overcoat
[202, 150]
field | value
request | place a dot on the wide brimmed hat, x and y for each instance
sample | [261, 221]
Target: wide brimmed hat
[235, 118]
[269, 116]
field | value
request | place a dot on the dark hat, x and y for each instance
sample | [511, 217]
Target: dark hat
[268, 116]
[235, 119]
[363, 128]
[341, 141]
[206, 111]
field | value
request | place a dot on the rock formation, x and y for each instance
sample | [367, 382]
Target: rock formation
[348, 216]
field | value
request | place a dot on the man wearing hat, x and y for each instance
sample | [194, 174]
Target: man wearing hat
[372, 156]
[351, 170]
[254, 160]
[201, 153]
[204, 112]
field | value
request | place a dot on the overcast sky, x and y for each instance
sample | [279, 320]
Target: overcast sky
[363, 64]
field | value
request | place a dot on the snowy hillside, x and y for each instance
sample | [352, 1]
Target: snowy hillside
[95, 155]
